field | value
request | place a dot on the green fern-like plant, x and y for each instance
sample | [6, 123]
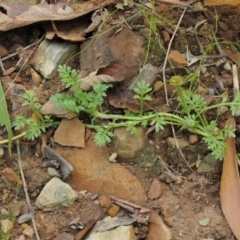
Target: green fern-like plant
[192, 116]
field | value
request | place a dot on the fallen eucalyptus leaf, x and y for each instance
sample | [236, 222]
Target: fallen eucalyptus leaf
[230, 185]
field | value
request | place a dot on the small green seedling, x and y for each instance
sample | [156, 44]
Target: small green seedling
[36, 125]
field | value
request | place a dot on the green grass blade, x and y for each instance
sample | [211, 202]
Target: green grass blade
[4, 117]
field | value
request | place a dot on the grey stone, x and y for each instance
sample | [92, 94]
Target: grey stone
[121, 232]
[204, 222]
[54, 195]
[50, 54]
[25, 218]
[29, 232]
[53, 172]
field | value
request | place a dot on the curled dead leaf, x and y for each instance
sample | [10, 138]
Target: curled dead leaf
[15, 14]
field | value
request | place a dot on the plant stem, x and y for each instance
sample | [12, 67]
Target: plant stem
[180, 94]
[14, 138]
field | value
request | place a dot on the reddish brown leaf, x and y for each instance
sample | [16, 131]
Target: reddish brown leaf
[230, 185]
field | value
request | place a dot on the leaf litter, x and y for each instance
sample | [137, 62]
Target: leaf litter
[116, 70]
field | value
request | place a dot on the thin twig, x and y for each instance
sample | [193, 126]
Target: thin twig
[221, 52]
[36, 44]
[25, 190]
[1, 65]
[235, 82]
[166, 58]
[169, 167]
[165, 82]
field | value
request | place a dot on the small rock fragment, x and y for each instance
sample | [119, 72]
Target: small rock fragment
[181, 142]
[207, 164]
[204, 222]
[128, 145]
[121, 232]
[25, 218]
[193, 138]
[36, 77]
[177, 58]
[157, 228]
[70, 133]
[55, 194]
[113, 210]
[50, 54]
[29, 232]
[53, 172]
[155, 190]
[112, 158]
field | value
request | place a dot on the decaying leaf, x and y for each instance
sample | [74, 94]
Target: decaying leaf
[14, 14]
[93, 78]
[72, 30]
[230, 185]
[113, 72]
[65, 167]
[97, 18]
[116, 68]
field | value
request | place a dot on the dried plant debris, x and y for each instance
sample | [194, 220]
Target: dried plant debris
[14, 14]
[115, 222]
[65, 167]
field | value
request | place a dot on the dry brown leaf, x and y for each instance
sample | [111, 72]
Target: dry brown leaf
[230, 185]
[93, 78]
[72, 30]
[113, 72]
[116, 69]
[18, 14]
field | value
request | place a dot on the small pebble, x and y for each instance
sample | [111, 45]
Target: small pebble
[112, 158]
[53, 172]
[204, 222]
[24, 218]
[193, 139]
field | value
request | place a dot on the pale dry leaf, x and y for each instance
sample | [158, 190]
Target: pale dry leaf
[93, 78]
[115, 71]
